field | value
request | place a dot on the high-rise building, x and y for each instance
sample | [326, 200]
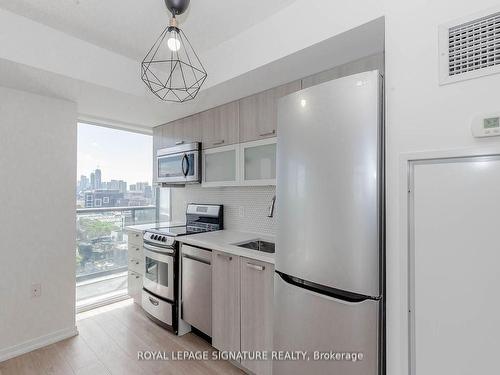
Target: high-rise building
[142, 186]
[98, 178]
[122, 186]
[84, 183]
[114, 185]
[92, 181]
[148, 192]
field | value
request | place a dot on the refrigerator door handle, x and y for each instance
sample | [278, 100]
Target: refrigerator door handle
[338, 294]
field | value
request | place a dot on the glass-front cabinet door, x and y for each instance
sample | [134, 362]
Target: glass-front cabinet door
[221, 166]
[258, 162]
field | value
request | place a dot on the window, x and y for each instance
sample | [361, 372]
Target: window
[114, 190]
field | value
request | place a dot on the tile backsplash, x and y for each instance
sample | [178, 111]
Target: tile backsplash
[245, 207]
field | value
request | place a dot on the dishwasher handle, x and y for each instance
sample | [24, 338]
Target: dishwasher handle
[197, 259]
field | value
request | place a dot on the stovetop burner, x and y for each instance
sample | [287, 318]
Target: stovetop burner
[199, 219]
[179, 230]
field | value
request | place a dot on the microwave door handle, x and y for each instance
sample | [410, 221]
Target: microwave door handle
[185, 171]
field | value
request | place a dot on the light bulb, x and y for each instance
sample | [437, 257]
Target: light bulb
[173, 44]
[303, 102]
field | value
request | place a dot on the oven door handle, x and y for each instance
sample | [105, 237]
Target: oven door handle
[185, 171]
[161, 250]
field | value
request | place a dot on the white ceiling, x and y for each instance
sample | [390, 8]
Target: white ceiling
[87, 51]
[130, 27]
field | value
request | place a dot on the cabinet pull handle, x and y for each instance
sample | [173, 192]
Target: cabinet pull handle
[137, 249]
[268, 134]
[153, 301]
[225, 256]
[221, 142]
[137, 235]
[256, 267]
[179, 143]
[137, 276]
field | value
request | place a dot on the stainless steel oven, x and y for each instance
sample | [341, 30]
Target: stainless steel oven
[179, 164]
[159, 296]
[159, 271]
[161, 289]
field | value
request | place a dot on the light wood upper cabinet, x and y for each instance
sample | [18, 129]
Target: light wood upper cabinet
[259, 112]
[188, 130]
[220, 125]
[225, 301]
[185, 130]
[257, 312]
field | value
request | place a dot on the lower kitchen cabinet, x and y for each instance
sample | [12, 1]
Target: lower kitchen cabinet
[242, 307]
[135, 265]
[225, 301]
[134, 286]
[257, 312]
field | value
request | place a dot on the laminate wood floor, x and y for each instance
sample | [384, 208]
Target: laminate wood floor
[108, 344]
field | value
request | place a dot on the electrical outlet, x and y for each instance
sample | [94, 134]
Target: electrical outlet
[36, 290]
[241, 211]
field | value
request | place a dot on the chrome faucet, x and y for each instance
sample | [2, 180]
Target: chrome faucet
[271, 207]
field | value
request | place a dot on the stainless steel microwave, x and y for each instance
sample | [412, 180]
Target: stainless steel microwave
[179, 164]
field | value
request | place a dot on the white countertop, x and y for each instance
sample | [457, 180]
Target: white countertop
[224, 240]
[143, 227]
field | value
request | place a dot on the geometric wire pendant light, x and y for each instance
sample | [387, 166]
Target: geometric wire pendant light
[171, 68]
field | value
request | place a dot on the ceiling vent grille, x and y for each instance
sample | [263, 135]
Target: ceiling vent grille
[470, 49]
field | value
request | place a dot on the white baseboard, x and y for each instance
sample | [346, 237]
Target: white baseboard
[37, 343]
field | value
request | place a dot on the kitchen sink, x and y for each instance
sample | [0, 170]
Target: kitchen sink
[264, 246]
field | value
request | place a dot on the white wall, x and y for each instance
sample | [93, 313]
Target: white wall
[421, 115]
[37, 220]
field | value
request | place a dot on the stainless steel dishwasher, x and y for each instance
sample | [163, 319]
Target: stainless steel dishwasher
[196, 298]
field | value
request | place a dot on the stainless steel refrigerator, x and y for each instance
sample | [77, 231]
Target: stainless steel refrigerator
[330, 245]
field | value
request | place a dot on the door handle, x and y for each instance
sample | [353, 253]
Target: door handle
[218, 143]
[225, 256]
[268, 134]
[196, 259]
[179, 143]
[153, 301]
[256, 267]
[185, 159]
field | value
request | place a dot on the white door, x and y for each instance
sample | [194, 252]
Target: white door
[455, 266]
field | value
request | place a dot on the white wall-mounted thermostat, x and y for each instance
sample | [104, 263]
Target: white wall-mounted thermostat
[486, 126]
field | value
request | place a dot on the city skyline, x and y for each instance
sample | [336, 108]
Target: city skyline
[94, 181]
[94, 193]
[121, 155]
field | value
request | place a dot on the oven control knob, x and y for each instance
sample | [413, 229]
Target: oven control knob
[164, 239]
[155, 237]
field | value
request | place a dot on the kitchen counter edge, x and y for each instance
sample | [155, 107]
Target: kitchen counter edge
[224, 241]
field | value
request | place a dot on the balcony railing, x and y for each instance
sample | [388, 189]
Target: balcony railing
[101, 248]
